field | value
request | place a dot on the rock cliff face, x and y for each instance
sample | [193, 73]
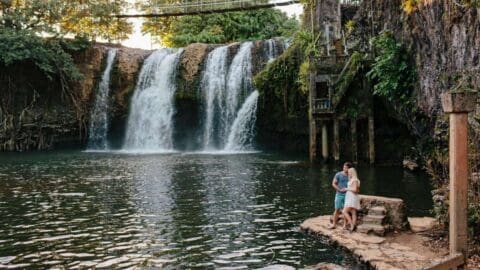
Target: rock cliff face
[36, 114]
[444, 36]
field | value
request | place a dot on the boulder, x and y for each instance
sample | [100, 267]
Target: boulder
[421, 224]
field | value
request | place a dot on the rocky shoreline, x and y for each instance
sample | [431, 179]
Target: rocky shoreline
[398, 250]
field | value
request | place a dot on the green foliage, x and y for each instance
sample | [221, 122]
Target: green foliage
[350, 26]
[86, 18]
[347, 77]
[221, 27]
[392, 72]
[280, 80]
[304, 76]
[307, 41]
[23, 46]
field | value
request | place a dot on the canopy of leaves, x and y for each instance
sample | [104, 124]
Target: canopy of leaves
[48, 55]
[87, 18]
[33, 31]
[220, 27]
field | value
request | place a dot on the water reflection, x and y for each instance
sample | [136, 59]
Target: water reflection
[172, 211]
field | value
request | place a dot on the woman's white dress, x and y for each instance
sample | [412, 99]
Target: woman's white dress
[352, 199]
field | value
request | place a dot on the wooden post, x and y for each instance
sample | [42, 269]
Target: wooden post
[353, 127]
[324, 141]
[336, 140]
[458, 105]
[371, 139]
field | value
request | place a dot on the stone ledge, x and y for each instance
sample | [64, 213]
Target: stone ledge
[403, 250]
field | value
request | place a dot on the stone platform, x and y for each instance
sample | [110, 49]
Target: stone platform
[397, 250]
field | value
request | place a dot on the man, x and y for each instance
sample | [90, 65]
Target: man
[339, 183]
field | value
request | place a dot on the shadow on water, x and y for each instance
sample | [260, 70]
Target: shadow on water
[180, 210]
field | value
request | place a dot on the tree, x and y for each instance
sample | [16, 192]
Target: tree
[87, 18]
[217, 27]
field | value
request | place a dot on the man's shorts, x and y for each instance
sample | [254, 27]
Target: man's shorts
[339, 201]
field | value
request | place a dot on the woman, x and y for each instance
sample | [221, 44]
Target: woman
[352, 200]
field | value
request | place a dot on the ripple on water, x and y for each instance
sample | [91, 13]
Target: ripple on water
[108, 210]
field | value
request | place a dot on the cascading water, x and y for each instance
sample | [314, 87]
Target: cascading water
[228, 124]
[242, 131]
[213, 87]
[239, 84]
[97, 132]
[272, 51]
[150, 124]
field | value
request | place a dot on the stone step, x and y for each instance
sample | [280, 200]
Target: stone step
[371, 228]
[377, 210]
[373, 219]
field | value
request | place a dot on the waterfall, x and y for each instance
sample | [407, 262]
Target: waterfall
[150, 124]
[97, 132]
[213, 86]
[272, 51]
[239, 83]
[242, 132]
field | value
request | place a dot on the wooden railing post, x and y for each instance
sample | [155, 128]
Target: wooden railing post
[458, 105]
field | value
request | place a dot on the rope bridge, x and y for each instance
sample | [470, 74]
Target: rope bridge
[196, 7]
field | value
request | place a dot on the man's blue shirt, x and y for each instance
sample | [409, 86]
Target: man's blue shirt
[342, 181]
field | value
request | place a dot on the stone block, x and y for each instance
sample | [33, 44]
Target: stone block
[377, 211]
[373, 219]
[371, 228]
[395, 209]
[459, 102]
[421, 224]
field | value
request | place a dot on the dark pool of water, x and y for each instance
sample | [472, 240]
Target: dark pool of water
[175, 211]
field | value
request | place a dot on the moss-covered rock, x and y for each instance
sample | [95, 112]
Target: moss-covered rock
[282, 108]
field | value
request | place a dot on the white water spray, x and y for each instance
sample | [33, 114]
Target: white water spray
[242, 132]
[213, 85]
[150, 126]
[239, 83]
[272, 51]
[97, 132]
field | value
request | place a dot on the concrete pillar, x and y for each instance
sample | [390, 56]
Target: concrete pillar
[336, 140]
[371, 139]
[458, 105]
[313, 140]
[312, 149]
[324, 141]
[353, 127]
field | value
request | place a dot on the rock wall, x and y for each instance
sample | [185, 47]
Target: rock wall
[444, 36]
[38, 113]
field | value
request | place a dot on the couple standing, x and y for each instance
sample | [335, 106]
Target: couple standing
[347, 201]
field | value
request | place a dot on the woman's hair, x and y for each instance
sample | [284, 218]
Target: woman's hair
[353, 173]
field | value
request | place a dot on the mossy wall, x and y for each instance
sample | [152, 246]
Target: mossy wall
[282, 116]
